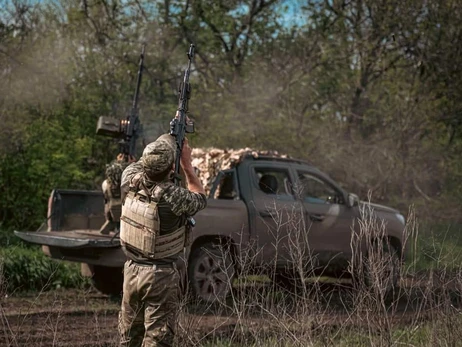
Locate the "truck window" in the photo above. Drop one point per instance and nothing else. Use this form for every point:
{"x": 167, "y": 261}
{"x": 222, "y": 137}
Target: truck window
{"x": 314, "y": 190}
{"x": 226, "y": 187}
{"x": 273, "y": 181}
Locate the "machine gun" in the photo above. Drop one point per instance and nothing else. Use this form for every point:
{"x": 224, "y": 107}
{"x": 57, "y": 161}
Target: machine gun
{"x": 179, "y": 125}
{"x": 128, "y": 129}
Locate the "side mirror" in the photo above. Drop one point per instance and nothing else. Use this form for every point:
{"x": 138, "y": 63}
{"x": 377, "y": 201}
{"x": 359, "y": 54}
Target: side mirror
{"x": 352, "y": 200}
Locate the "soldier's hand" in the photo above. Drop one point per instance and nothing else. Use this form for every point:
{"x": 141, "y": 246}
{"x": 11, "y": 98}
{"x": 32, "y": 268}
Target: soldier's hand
{"x": 186, "y": 157}
{"x": 188, "y": 120}
{"x": 121, "y": 157}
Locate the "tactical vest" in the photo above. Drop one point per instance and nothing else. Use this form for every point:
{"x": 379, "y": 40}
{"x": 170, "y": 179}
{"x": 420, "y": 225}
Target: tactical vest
{"x": 140, "y": 226}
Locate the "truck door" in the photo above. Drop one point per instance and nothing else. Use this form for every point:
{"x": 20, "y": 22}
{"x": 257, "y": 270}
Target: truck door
{"x": 226, "y": 213}
{"x": 328, "y": 219}
{"x": 278, "y": 216}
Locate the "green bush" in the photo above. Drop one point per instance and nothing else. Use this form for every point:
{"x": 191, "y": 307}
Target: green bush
{"x": 28, "y": 269}
{"x": 9, "y": 240}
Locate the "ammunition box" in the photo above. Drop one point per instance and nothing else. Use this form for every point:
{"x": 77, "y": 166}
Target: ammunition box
{"x": 109, "y": 126}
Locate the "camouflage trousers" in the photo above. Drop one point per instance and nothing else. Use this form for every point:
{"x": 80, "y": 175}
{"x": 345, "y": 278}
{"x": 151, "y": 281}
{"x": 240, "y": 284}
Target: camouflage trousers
{"x": 149, "y": 305}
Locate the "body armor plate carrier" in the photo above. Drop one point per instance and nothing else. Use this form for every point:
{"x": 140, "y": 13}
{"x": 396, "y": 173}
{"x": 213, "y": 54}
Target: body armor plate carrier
{"x": 140, "y": 227}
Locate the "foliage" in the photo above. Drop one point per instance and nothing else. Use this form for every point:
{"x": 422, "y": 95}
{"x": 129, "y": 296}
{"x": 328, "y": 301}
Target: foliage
{"x": 25, "y": 269}
{"x": 369, "y": 91}
{"x": 439, "y": 247}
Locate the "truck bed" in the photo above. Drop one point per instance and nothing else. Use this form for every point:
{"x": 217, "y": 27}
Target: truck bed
{"x": 70, "y": 239}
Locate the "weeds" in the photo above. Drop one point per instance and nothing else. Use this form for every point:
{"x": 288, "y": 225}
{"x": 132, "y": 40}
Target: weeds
{"x": 387, "y": 303}
{"x": 28, "y": 269}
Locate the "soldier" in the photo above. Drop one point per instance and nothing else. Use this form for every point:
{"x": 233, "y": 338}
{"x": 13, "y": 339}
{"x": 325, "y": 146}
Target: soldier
{"x": 112, "y": 194}
{"x": 154, "y": 213}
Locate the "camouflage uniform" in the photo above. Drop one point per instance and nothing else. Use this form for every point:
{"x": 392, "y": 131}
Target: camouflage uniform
{"x": 112, "y": 195}
{"x": 151, "y": 287}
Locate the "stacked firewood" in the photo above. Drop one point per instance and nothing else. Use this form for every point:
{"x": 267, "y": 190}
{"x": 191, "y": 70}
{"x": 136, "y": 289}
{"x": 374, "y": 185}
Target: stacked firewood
{"x": 209, "y": 161}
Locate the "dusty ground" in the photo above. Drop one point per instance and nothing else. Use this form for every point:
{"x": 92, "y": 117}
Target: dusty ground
{"x": 58, "y": 318}
{"x": 78, "y": 318}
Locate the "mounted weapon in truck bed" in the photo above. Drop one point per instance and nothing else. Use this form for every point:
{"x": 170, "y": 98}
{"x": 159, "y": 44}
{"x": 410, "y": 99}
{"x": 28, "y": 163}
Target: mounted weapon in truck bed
{"x": 127, "y": 129}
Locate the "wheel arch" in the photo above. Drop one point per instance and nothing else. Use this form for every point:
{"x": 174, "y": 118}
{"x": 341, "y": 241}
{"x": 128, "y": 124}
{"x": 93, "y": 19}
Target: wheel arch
{"x": 217, "y": 239}
{"x": 394, "y": 242}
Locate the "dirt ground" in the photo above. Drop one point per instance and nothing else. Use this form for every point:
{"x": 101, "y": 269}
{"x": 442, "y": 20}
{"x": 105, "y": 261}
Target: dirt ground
{"x": 87, "y": 318}
{"x": 58, "y": 318}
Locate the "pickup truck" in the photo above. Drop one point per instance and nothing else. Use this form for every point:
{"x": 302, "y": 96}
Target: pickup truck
{"x": 265, "y": 214}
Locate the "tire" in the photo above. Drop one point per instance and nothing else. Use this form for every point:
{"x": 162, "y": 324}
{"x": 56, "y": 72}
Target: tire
{"x": 211, "y": 271}
{"x": 287, "y": 281}
{"x": 108, "y": 280}
{"x": 382, "y": 268}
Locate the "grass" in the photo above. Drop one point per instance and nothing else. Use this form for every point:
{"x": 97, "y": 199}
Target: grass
{"x": 425, "y": 335}
{"x": 439, "y": 246}
{"x": 425, "y": 312}
{"x": 29, "y": 269}
{"x": 324, "y": 312}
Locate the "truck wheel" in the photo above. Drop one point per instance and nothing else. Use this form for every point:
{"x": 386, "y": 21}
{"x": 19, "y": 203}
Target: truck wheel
{"x": 211, "y": 272}
{"x": 381, "y": 269}
{"x": 287, "y": 281}
{"x": 108, "y": 280}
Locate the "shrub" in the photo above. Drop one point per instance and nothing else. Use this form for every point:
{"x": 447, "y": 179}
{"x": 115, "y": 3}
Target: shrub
{"x": 28, "y": 269}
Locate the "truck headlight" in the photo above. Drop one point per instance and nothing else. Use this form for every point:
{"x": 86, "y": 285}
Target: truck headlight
{"x": 401, "y": 218}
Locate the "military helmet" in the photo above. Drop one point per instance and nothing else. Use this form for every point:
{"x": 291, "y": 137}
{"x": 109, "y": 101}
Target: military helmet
{"x": 158, "y": 156}
{"x": 114, "y": 172}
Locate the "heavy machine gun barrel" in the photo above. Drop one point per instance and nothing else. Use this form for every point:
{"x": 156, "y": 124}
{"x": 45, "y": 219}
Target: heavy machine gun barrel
{"x": 180, "y": 125}
{"x": 127, "y": 129}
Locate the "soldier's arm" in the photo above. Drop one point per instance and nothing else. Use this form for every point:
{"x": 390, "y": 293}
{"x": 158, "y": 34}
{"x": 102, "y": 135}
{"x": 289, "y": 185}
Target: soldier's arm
{"x": 192, "y": 181}
{"x": 127, "y": 175}
{"x": 104, "y": 188}
{"x": 183, "y": 201}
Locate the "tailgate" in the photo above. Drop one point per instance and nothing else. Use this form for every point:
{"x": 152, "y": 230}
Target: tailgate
{"x": 70, "y": 239}
{"x": 70, "y": 210}
{"x": 74, "y": 220}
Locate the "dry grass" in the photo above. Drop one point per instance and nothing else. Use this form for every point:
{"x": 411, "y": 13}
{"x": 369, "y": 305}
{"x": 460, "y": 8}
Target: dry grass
{"x": 423, "y": 310}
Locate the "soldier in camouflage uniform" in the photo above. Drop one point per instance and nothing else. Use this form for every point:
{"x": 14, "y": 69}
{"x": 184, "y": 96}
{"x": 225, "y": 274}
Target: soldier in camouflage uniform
{"x": 153, "y": 222}
{"x": 112, "y": 194}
